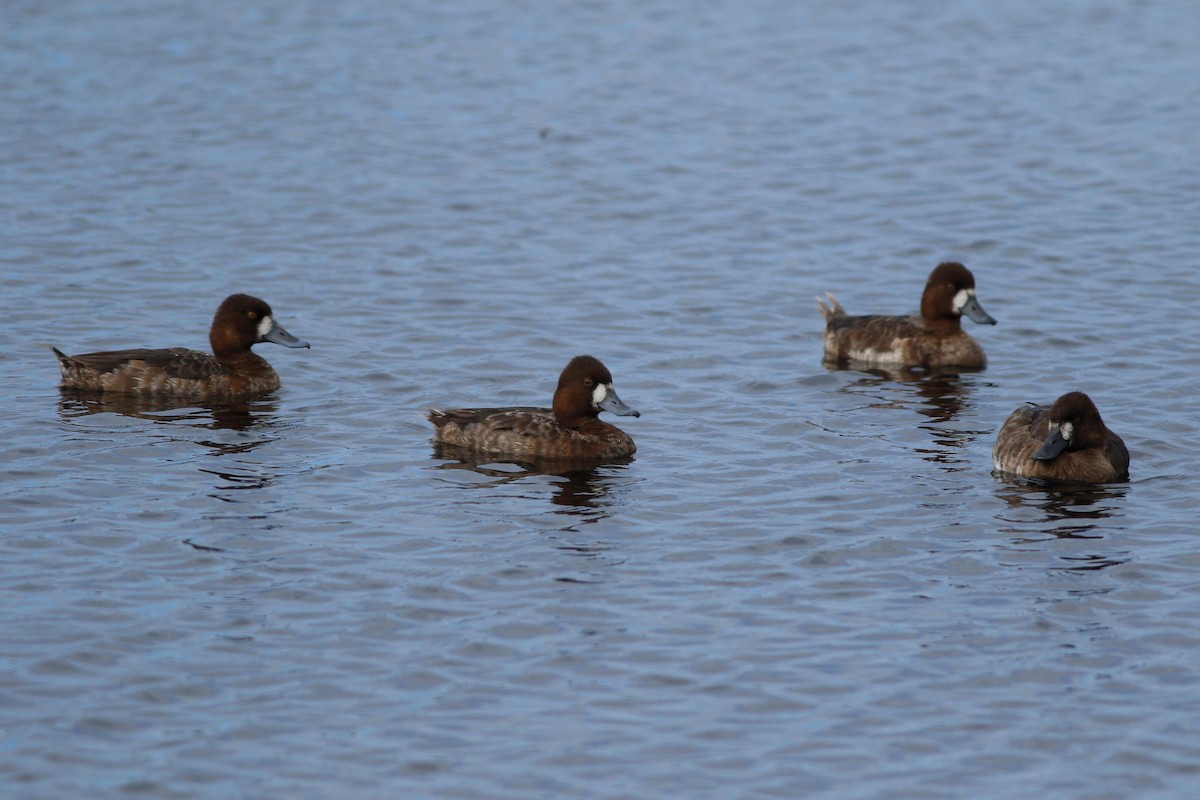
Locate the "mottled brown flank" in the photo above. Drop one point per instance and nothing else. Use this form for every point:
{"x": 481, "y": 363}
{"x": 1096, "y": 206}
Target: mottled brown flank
{"x": 900, "y": 341}
{"x": 1097, "y": 455}
{"x": 526, "y": 432}
{"x": 934, "y": 338}
{"x": 174, "y": 372}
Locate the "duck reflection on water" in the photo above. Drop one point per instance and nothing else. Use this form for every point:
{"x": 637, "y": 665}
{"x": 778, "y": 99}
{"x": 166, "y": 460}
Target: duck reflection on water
{"x": 581, "y": 486}
{"x": 1036, "y": 511}
{"x": 1062, "y": 509}
{"x": 242, "y": 416}
{"x": 230, "y": 430}
{"x": 941, "y": 395}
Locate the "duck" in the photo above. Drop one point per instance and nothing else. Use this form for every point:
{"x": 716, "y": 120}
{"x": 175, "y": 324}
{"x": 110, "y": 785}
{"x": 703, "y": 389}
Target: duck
{"x": 230, "y": 372}
{"x": 570, "y": 429}
{"x": 933, "y": 339}
{"x": 1066, "y": 441}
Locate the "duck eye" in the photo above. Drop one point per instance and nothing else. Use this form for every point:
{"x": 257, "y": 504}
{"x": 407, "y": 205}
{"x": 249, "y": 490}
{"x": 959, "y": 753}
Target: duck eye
{"x": 588, "y": 382}
{"x": 252, "y": 314}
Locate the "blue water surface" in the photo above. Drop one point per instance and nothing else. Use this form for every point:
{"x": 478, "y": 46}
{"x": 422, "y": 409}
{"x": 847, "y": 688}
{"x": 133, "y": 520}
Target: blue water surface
{"x": 808, "y": 583}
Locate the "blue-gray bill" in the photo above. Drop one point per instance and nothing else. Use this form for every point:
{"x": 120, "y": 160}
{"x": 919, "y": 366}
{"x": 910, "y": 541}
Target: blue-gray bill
{"x": 975, "y": 311}
{"x": 1054, "y": 444}
{"x": 614, "y": 404}
{"x": 278, "y": 335}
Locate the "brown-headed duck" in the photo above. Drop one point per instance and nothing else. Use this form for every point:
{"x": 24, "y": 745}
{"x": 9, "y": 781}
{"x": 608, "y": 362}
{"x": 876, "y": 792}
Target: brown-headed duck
{"x": 231, "y": 371}
{"x": 1064, "y": 442}
{"x": 933, "y": 339}
{"x": 572, "y": 429}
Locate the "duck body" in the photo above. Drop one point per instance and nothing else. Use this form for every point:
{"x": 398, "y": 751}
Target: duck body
{"x": 528, "y": 432}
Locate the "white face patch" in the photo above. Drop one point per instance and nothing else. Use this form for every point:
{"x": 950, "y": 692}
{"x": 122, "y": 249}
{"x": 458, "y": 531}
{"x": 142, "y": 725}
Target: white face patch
{"x": 265, "y": 325}
{"x": 599, "y": 393}
{"x": 963, "y": 297}
{"x": 1066, "y": 430}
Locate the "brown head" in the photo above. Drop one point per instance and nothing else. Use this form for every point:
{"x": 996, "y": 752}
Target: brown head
{"x": 950, "y": 293}
{"x": 243, "y": 321}
{"x": 584, "y": 390}
{"x": 1075, "y": 424}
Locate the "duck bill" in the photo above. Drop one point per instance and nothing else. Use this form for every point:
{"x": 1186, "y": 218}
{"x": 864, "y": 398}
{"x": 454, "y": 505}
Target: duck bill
{"x": 278, "y": 335}
{"x": 1054, "y": 444}
{"x": 975, "y": 311}
{"x": 614, "y": 404}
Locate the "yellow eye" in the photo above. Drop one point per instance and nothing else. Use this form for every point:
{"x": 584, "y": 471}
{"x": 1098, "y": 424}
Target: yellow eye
{"x": 252, "y": 314}
{"x": 588, "y": 381}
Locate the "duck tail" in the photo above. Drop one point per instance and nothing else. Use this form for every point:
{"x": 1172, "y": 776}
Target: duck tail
{"x": 65, "y": 362}
{"x": 833, "y": 309}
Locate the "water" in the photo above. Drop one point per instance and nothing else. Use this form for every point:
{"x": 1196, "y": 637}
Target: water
{"x": 807, "y": 582}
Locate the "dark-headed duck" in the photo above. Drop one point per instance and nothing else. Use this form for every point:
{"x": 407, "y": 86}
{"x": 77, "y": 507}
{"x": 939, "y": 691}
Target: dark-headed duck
{"x": 1064, "y": 442}
{"x": 572, "y": 429}
{"x": 232, "y": 371}
{"x": 933, "y": 339}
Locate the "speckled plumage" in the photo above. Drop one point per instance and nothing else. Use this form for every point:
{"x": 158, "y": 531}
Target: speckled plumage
{"x": 572, "y": 429}
{"x": 934, "y": 338}
{"x": 231, "y": 371}
{"x": 173, "y": 372}
{"x": 1031, "y": 443}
